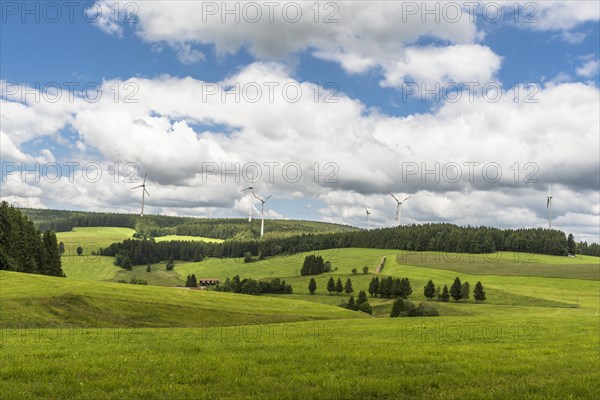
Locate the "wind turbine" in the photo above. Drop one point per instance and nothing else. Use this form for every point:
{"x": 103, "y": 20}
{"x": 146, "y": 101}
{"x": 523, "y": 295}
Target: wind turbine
{"x": 262, "y": 213}
{"x": 368, "y": 213}
{"x": 144, "y": 192}
{"x": 549, "y": 206}
{"x": 250, "y": 194}
{"x": 399, "y": 207}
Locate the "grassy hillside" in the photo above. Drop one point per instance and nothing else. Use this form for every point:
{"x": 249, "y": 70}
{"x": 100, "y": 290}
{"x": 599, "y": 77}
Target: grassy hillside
{"x": 35, "y": 301}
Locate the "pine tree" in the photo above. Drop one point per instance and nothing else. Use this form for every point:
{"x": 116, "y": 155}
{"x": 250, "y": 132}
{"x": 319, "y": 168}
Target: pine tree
{"x": 339, "y": 288}
{"x": 331, "y": 285}
{"x": 149, "y": 268}
{"x": 571, "y": 246}
{"x": 406, "y": 289}
{"x": 372, "y": 289}
{"x": 429, "y": 290}
{"x": 348, "y": 286}
{"x": 479, "y": 293}
{"x": 455, "y": 289}
{"x": 362, "y": 298}
{"x": 61, "y": 248}
{"x": 194, "y": 281}
{"x": 397, "y": 308}
{"x": 351, "y": 304}
{"x": 312, "y": 286}
{"x": 465, "y": 291}
{"x": 445, "y": 296}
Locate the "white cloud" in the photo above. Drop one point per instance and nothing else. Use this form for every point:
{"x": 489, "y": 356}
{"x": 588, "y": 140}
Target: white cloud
{"x": 589, "y": 69}
{"x": 168, "y": 133}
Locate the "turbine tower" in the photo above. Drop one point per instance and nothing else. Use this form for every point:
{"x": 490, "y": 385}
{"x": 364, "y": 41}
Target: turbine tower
{"x": 144, "y": 192}
{"x": 549, "y": 206}
{"x": 250, "y": 194}
{"x": 399, "y": 207}
{"x": 368, "y": 213}
{"x": 262, "y": 213}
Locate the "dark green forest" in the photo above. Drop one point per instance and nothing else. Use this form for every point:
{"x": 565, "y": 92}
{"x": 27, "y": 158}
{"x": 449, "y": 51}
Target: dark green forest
{"x": 23, "y": 248}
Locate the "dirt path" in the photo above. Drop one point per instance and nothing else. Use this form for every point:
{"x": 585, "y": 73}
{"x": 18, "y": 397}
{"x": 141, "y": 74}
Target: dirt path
{"x": 380, "y": 266}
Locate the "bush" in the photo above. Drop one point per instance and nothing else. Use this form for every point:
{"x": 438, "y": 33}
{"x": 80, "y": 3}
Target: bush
{"x": 247, "y": 257}
{"x": 365, "y": 307}
{"x": 354, "y": 271}
{"x": 365, "y": 270}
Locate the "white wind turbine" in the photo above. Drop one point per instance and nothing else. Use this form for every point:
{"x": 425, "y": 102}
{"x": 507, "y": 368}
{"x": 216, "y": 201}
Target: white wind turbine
{"x": 549, "y": 206}
{"x": 144, "y": 192}
{"x": 250, "y": 194}
{"x": 399, "y": 207}
{"x": 262, "y": 213}
{"x": 368, "y": 213}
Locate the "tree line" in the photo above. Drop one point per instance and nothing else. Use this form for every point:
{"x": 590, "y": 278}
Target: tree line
{"x": 252, "y": 286}
{"x": 23, "y": 248}
{"x": 458, "y": 291}
{"x": 430, "y": 237}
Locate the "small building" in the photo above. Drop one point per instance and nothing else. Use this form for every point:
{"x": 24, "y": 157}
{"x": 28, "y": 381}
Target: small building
{"x": 207, "y": 282}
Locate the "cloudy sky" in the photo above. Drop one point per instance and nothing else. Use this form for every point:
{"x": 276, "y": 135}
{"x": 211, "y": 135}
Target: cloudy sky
{"x": 472, "y": 108}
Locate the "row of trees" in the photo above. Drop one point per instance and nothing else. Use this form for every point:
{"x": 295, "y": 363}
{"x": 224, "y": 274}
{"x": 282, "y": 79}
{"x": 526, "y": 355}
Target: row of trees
{"x": 252, "y": 286}
{"x": 390, "y": 287}
{"x": 586, "y": 249}
{"x": 458, "y": 291}
{"x": 191, "y": 281}
{"x": 360, "y": 304}
{"x": 23, "y": 248}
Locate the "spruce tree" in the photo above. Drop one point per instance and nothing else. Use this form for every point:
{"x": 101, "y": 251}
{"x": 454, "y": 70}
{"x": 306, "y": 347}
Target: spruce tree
{"x": 455, "y": 289}
{"x": 312, "y": 286}
{"x": 339, "y": 288}
{"x": 397, "y": 308}
{"x": 429, "y": 290}
{"x": 79, "y": 250}
{"x": 479, "y": 293}
{"x": 194, "y": 281}
{"x": 445, "y": 296}
{"x": 348, "y": 286}
{"x": 372, "y": 289}
{"x": 362, "y": 298}
{"x": 465, "y": 291}
{"x": 351, "y": 304}
{"x": 331, "y": 285}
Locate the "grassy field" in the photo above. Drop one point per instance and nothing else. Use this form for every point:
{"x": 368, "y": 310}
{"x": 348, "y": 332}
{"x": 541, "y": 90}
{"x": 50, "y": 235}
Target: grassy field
{"x": 538, "y": 354}
{"x": 507, "y": 263}
{"x": 92, "y": 239}
{"x": 536, "y": 337}
{"x": 35, "y": 300}
{"x": 187, "y": 238}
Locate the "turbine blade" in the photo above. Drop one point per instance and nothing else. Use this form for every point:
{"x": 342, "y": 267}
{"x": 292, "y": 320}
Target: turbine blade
{"x": 268, "y": 197}
{"x": 148, "y": 194}
{"x": 406, "y": 199}
{"x": 145, "y": 175}
{"x": 393, "y": 196}
{"x": 137, "y": 187}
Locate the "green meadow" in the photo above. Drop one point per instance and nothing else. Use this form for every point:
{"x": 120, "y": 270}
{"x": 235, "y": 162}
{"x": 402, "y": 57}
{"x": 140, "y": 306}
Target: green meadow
{"x": 535, "y": 337}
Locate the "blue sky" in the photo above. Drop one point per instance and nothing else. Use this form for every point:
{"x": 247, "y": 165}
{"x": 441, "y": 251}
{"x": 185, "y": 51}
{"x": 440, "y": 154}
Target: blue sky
{"x": 372, "y": 133}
